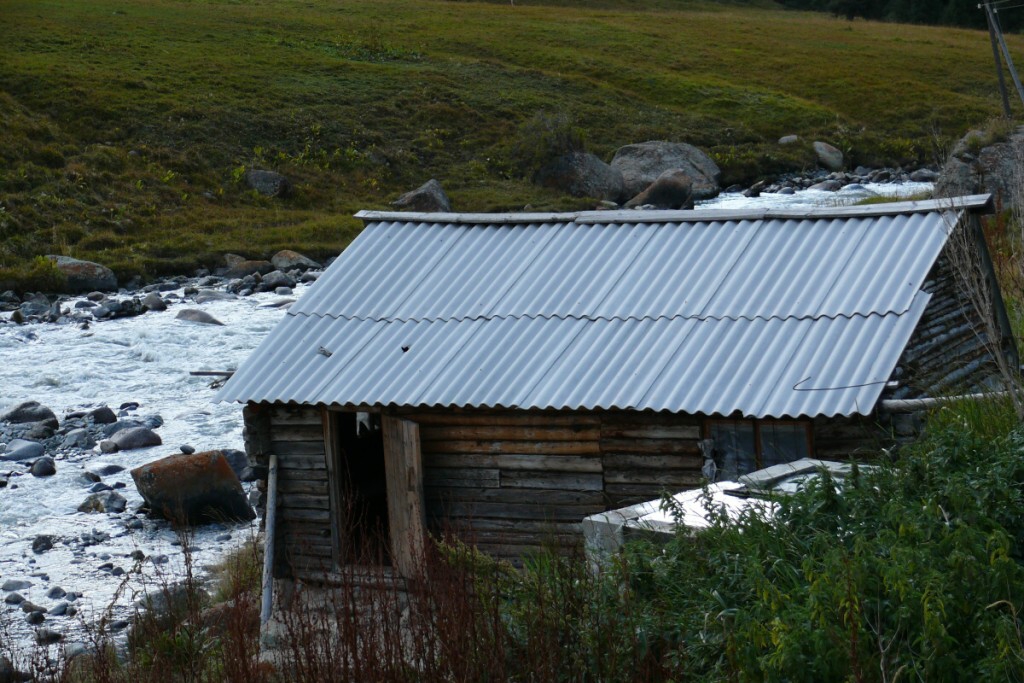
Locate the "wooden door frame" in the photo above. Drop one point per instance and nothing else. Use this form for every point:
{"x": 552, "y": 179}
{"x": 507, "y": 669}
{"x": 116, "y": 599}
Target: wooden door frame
{"x": 403, "y": 466}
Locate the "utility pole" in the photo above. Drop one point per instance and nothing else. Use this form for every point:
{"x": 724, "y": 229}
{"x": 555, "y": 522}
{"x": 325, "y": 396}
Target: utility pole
{"x": 999, "y": 64}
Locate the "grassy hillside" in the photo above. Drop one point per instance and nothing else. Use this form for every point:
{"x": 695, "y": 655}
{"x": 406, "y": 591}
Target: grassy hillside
{"x": 125, "y": 127}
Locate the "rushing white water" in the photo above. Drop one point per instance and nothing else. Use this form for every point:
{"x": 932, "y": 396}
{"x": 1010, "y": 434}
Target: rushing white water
{"x": 850, "y": 194}
{"x": 147, "y": 359}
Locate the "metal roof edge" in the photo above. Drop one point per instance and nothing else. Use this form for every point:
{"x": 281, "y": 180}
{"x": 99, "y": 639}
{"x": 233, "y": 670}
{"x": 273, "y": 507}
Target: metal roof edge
{"x": 981, "y": 203}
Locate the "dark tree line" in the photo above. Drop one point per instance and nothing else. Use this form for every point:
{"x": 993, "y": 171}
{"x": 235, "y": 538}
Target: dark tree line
{"x": 947, "y": 12}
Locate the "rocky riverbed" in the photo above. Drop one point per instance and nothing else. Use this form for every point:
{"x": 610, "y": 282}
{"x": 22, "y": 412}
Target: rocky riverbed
{"x": 94, "y": 386}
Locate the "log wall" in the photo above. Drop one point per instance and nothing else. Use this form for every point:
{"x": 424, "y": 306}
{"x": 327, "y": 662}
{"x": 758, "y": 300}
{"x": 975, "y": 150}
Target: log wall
{"x": 510, "y": 482}
{"x": 296, "y": 434}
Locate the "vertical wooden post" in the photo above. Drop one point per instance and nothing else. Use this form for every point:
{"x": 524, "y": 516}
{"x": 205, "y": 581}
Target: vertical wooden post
{"x": 404, "y": 471}
{"x": 270, "y": 522}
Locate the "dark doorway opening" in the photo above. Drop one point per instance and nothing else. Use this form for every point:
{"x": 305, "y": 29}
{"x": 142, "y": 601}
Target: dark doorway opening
{"x": 363, "y": 518}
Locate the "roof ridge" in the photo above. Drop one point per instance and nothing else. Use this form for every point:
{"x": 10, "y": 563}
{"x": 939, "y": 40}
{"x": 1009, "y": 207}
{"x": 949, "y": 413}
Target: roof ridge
{"x": 610, "y": 318}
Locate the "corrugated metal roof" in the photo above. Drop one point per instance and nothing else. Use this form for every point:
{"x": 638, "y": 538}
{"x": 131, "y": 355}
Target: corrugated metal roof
{"x": 683, "y": 313}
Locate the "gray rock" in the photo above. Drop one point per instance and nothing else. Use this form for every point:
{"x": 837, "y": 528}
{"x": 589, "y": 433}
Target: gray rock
{"x": 924, "y": 175}
{"x": 108, "y": 446}
{"x": 27, "y": 606}
{"x": 789, "y": 139}
{"x": 45, "y": 636}
{"x": 268, "y": 183}
{"x": 35, "y": 618}
{"x": 236, "y": 459}
{"x": 245, "y": 268}
{"x": 673, "y": 189}
{"x": 78, "y": 438}
{"x": 99, "y": 487}
{"x": 275, "y": 279}
{"x": 14, "y": 599}
{"x": 283, "y": 291}
{"x": 207, "y": 295}
{"x": 22, "y": 449}
{"x": 137, "y": 437}
{"x": 582, "y": 174}
{"x": 84, "y": 276}
{"x": 107, "y": 501}
{"x": 44, "y": 467}
{"x": 15, "y": 585}
{"x": 60, "y": 609}
{"x": 29, "y": 411}
{"x": 826, "y": 186}
{"x": 56, "y": 593}
{"x": 186, "y": 449}
{"x": 995, "y": 168}
{"x": 153, "y": 302}
{"x": 120, "y": 425}
{"x": 197, "y": 316}
{"x": 427, "y": 198}
{"x": 38, "y": 431}
{"x": 642, "y": 163}
{"x": 828, "y": 156}
{"x": 105, "y": 470}
{"x": 286, "y": 260}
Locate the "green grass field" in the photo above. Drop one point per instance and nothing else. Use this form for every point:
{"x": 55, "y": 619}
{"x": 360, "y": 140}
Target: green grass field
{"x": 126, "y": 126}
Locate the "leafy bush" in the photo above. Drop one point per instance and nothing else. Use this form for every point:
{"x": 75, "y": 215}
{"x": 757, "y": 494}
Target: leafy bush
{"x": 912, "y": 571}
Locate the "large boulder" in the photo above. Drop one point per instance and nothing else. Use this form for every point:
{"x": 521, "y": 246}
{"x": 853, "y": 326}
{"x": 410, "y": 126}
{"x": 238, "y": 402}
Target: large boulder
{"x": 642, "y": 163}
{"x": 428, "y": 198}
{"x": 672, "y": 190}
{"x": 22, "y": 449}
{"x": 135, "y": 437}
{"x": 248, "y": 267}
{"x": 29, "y": 411}
{"x": 191, "y": 489}
{"x": 828, "y": 156}
{"x": 582, "y": 174}
{"x": 194, "y": 315}
{"x": 286, "y": 260}
{"x": 268, "y": 183}
{"x": 978, "y": 166}
{"x": 84, "y": 276}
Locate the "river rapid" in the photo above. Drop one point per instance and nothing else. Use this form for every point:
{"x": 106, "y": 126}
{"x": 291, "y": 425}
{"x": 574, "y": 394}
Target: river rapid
{"x": 147, "y": 360}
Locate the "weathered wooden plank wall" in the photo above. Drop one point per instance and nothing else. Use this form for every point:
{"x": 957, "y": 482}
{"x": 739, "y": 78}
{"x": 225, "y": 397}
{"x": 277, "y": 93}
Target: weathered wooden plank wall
{"x": 511, "y": 482}
{"x": 304, "y": 510}
{"x": 949, "y": 351}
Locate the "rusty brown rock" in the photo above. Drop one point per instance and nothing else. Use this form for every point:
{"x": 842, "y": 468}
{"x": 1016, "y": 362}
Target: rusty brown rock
{"x": 193, "y": 489}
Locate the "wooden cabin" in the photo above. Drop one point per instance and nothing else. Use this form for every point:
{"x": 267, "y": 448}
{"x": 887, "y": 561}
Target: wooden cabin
{"x": 501, "y": 377}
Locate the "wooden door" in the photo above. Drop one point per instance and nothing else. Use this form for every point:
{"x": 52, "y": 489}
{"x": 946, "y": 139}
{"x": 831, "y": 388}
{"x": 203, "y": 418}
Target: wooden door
{"x": 404, "y": 471}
